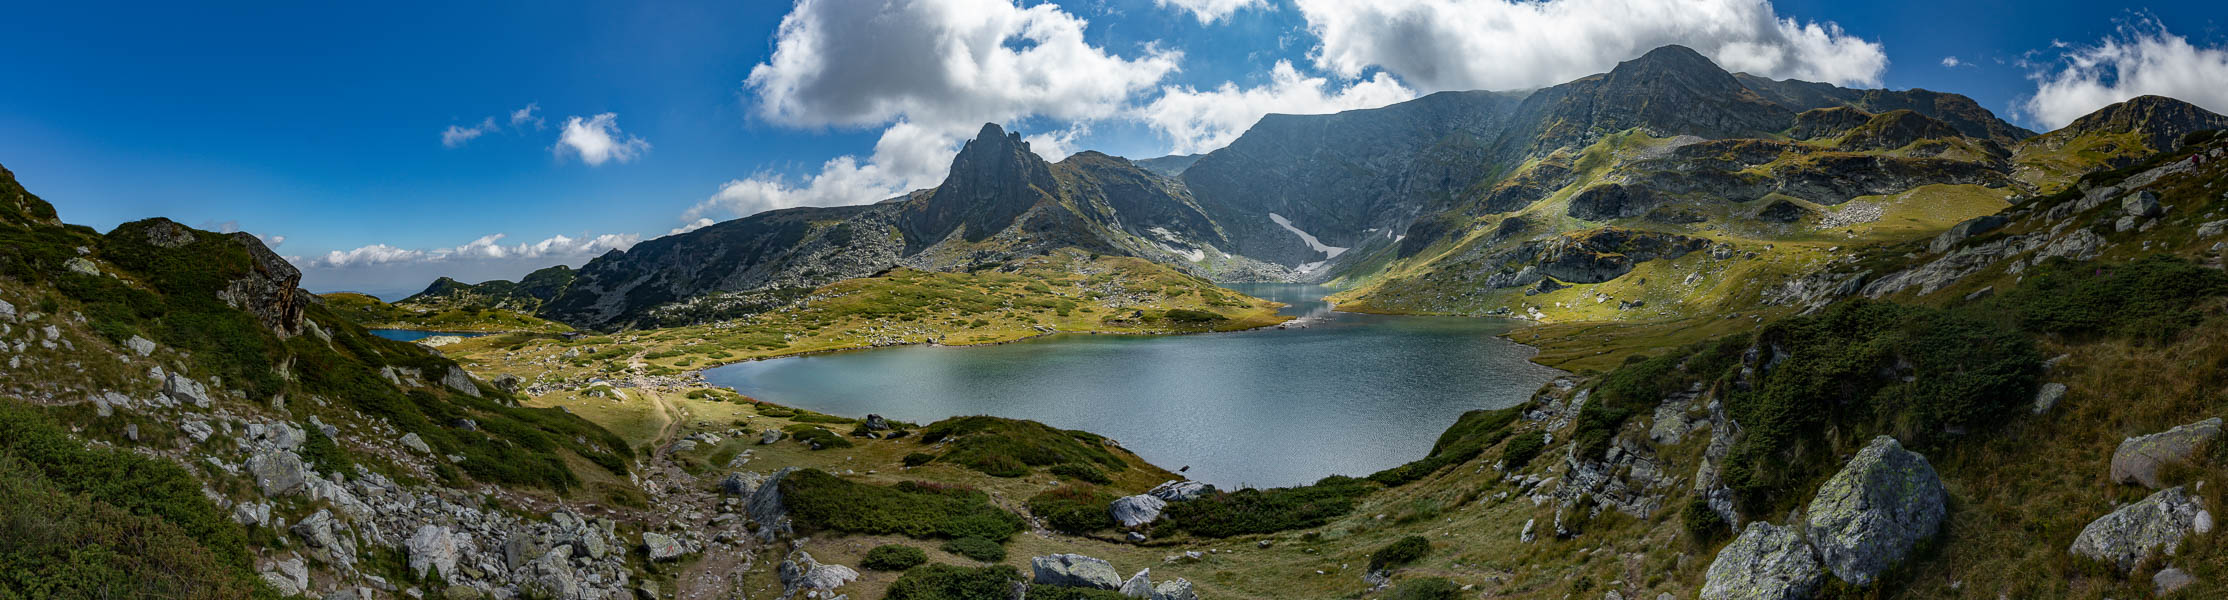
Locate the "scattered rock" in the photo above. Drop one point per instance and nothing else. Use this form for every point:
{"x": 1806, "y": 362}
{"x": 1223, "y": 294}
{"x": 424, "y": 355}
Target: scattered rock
{"x": 1178, "y": 589}
{"x": 769, "y": 437}
{"x": 2141, "y": 205}
{"x": 1139, "y": 585}
{"x": 877, "y": 423}
{"x": 2170, "y": 580}
{"x": 1132, "y": 511}
{"x": 140, "y": 345}
{"x": 2130, "y": 534}
{"x": 288, "y": 577}
{"x": 2049, "y": 396}
{"x": 461, "y": 381}
{"x": 801, "y": 572}
{"x": 1179, "y": 490}
{"x": 1968, "y": 228}
{"x": 1075, "y": 570}
{"x": 277, "y": 472}
{"x": 433, "y": 550}
{"x": 662, "y": 547}
{"x": 740, "y": 484}
{"x": 2138, "y": 458}
{"x": 1765, "y": 563}
{"x": 1866, "y": 517}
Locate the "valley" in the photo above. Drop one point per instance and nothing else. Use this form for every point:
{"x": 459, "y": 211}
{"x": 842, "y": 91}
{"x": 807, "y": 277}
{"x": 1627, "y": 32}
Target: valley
{"x": 1778, "y": 340}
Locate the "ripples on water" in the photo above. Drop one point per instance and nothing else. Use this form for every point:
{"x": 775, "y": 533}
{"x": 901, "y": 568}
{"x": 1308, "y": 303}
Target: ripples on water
{"x": 1334, "y": 393}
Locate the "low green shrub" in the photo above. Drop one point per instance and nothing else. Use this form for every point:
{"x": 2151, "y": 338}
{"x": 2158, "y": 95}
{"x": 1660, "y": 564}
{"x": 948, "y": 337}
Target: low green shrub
{"x": 1427, "y": 588}
{"x": 947, "y": 582}
{"x": 893, "y": 557}
{"x": 2151, "y": 299}
{"x": 1521, "y": 450}
{"x": 1400, "y": 552}
{"x": 976, "y": 548}
{"x": 1703, "y": 525}
{"x": 913, "y": 509}
{"x": 816, "y": 437}
{"x": 1009, "y": 448}
{"x": 1250, "y": 511}
{"x": 918, "y": 458}
{"x": 1073, "y": 509}
{"x": 1082, "y": 473}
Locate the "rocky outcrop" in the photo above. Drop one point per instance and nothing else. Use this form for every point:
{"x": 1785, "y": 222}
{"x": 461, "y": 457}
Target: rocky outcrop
{"x": 433, "y": 550}
{"x": 1766, "y": 562}
{"x": 2137, "y": 531}
{"x": 268, "y": 291}
{"x": 1869, "y": 515}
{"x": 1176, "y": 589}
{"x": 766, "y": 509}
{"x": 1074, "y": 570}
{"x": 2139, "y": 458}
{"x": 1139, "y": 585}
{"x": 461, "y": 381}
{"x": 1132, "y": 511}
{"x": 1965, "y": 229}
{"x": 1179, "y": 490}
{"x": 800, "y": 573}
{"x": 1614, "y": 201}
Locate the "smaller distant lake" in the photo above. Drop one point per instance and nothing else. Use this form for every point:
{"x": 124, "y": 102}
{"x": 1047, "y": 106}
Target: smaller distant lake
{"x": 412, "y": 335}
{"x": 1334, "y": 393}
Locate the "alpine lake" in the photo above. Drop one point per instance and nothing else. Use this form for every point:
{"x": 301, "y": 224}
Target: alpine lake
{"x": 1329, "y": 393}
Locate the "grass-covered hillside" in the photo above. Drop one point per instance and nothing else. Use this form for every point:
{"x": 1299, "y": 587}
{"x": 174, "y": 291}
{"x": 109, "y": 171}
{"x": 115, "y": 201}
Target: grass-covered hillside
{"x": 162, "y": 381}
{"x": 372, "y": 313}
{"x": 1065, "y": 291}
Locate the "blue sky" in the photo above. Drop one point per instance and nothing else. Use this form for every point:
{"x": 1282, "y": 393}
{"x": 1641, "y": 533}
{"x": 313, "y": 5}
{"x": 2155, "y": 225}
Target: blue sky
{"x": 322, "y": 124}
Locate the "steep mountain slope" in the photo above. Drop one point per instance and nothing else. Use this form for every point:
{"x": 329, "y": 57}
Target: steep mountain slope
{"x": 526, "y": 295}
{"x": 1001, "y": 203}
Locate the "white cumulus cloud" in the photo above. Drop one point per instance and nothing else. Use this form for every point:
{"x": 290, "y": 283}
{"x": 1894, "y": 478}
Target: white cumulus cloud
{"x": 456, "y": 136}
{"x": 1201, "y": 121}
{"x": 699, "y": 223}
{"x": 485, "y": 247}
{"x": 1209, "y": 11}
{"x": 1951, "y": 61}
{"x": 2141, "y": 58}
{"x": 597, "y": 140}
{"x": 522, "y": 117}
{"x": 1435, "y": 45}
{"x": 930, "y": 72}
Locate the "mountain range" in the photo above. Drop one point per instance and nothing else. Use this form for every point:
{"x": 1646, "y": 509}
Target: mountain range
{"x": 1455, "y": 202}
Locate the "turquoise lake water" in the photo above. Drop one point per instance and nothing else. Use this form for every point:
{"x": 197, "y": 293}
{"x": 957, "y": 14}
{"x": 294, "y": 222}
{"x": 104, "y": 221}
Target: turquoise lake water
{"x": 412, "y": 335}
{"x": 1334, "y": 393}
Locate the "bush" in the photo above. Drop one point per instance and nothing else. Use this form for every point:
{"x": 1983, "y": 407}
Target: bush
{"x": 1073, "y": 509}
{"x": 87, "y": 522}
{"x": 1702, "y": 524}
{"x": 1862, "y": 368}
{"x": 918, "y": 458}
{"x": 2151, "y": 299}
{"x": 817, "y": 438}
{"x": 1248, "y": 511}
{"x": 1082, "y": 473}
{"x": 893, "y": 557}
{"x": 947, "y": 582}
{"x": 1058, "y": 592}
{"x": 981, "y": 549}
{"x": 1520, "y": 451}
{"x": 321, "y": 453}
{"x": 1008, "y": 448}
{"x": 1186, "y": 315}
{"x": 913, "y": 509}
{"x": 1401, "y": 552}
{"x": 1428, "y": 588}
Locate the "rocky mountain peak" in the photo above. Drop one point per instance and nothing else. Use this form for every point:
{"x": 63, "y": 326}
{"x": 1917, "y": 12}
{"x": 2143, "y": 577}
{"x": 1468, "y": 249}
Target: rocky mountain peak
{"x": 19, "y": 207}
{"x": 1674, "y": 60}
{"x": 2159, "y": 120}
{"x": 994, "y": 179}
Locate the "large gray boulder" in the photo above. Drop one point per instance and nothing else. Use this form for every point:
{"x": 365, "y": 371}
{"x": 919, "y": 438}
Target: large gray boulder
{"x": 1075, "y": 570}
{"x": 662, "y": 547}
{"x": 277, "y": 472}
{"x": 739, "y": 483}
{"x": 1866, "y": 517}
{"x": 1178, "y": 589}
{"x": 433, "y": 549}
{"x": 766, "y": 508}
{"x": 1179, "y": 490}
{"x": 461, "y": 381}
{"x": 1766, "y": 562}
{"x": 801, "y": 573}
{"x": 2134, "y": 532}
{"x": 1132, "y": 511}
{"x": 2139, "y": 458}
{"x": 1139, "y": 585}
